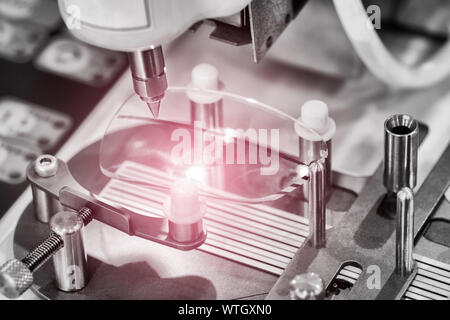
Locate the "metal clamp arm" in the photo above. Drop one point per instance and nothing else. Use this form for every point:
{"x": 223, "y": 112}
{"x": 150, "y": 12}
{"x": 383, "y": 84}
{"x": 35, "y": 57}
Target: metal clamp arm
{"x": 71, "y": 194}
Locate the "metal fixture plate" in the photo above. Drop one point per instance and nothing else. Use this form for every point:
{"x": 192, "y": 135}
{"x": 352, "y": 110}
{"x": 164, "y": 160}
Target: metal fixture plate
{"x": 236, "y": 262}
{"x": 123, "y": 267}
{"x": 363, "y": 236}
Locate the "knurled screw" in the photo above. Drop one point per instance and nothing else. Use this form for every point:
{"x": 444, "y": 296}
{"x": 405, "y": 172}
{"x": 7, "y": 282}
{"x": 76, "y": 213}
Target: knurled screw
{"x": 16, "y": 276}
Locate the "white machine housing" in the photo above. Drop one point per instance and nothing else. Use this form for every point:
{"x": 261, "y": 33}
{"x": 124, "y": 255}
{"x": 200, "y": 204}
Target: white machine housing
{"x": 139, "y": 24}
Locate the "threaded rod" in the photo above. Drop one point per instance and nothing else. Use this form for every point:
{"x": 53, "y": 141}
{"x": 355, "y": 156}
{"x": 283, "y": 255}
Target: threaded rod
{"x": 43, "y": 252}
{"x": 85, "y": 215}
{"x": 52, "y": 244}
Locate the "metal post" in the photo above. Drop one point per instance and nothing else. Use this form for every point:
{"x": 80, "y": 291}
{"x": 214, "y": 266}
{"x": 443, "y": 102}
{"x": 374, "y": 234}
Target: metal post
{"x": 401, "y": 142}
{"x": 45, "y": 206}
{"x": 405, "y": 232}
{"x": 70, "y": 262}
{"x": 185, "y": 212}
{"x": 316, "y": 205}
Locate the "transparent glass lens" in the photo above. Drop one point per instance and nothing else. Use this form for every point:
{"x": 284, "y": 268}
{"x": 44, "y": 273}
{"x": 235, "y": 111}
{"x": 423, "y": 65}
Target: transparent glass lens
{"x": 234, "y": 148}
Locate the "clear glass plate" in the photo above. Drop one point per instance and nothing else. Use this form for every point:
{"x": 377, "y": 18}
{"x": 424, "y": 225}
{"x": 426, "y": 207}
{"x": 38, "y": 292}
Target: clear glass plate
{"x": 234, "y": 148}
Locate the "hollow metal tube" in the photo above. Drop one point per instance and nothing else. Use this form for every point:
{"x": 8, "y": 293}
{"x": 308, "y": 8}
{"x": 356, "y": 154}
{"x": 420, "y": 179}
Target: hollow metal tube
{"x": 404, "y": 232}
{"x": 401, "y": 142}
{"x": 316, "y": 205}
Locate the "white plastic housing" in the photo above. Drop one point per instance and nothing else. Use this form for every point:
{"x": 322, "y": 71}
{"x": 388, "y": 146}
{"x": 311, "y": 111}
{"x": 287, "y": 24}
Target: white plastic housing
{"x": 139, "y": 24}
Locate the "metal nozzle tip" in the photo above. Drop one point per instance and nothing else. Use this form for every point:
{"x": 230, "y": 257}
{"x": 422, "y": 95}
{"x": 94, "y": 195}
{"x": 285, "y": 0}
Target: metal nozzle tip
{"x": 154, "y": 108}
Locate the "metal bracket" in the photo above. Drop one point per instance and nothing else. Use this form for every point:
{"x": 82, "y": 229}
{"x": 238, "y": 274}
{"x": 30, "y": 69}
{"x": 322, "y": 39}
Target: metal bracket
{"x": 71, "y": 194}
{"x": 260, "y": 24}
{"x": 268, "y": 19}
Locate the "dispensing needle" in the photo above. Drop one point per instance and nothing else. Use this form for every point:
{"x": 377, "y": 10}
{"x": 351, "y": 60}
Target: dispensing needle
{"x": 149, "y": 77}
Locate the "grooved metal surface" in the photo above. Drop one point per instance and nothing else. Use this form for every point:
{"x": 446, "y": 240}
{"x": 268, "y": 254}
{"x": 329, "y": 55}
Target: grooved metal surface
{"x": 432, "y": 281}
{"x": 349, "y": 273}
{"x": 255, "y": 235}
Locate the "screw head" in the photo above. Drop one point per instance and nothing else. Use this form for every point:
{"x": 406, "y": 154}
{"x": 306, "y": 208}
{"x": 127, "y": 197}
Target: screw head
{"x": 66, "y": 222}
{"x": 15, "y": 278}
{"x": 307, "y": 286}
{"x": 46, "y": 166}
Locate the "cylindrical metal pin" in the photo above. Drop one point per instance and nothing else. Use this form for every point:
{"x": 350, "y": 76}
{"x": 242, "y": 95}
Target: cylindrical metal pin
{"x": 45, "y": 205}
{"x": 318, "y": 136}
{"x": 316, "y": 205}
{"x": 207, "y": 111}
{"x": 311, "y": 150}
{"x": 185, "y": 212}
{"x": 208, "y": 116}
{"x": 405, "y": 232}
{"x": 186, "y": 233}
{"x": 70, "y": 262}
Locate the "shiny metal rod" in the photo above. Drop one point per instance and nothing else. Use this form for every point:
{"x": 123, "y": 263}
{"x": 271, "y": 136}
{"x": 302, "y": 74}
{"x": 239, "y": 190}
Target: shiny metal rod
{"x": 45, "y": 206}
{"x": 405, "y": 232}
{"x": 207, "y": 111}
{"x": 316, "y": 205}
{"x": 401, "y": 142}
{"x": 210, "y": 115}
{"x": 312, "y": 150}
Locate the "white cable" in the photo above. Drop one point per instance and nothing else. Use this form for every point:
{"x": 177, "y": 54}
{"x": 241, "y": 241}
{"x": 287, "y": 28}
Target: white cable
{"x": 379, "y": 60}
